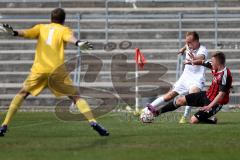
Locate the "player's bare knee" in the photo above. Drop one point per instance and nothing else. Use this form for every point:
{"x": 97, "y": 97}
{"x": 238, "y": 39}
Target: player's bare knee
{"x": 194, "y": 120}
{"x": 194, "y": 89}
{"x": 170, "y": 95}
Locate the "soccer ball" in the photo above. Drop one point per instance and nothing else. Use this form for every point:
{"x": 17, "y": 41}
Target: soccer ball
{"x": 146, "y": 116}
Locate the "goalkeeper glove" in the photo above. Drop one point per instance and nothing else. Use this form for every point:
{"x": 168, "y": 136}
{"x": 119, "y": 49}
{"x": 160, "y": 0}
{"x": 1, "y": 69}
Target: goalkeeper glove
{"x": 84, "y": 45}
{"x": 9, "y": 30}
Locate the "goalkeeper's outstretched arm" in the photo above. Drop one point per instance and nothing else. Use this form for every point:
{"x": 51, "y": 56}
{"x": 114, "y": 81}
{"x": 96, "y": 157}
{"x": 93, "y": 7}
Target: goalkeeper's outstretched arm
{"x": 34, "y": 33}
{"x": 82, "y": 44}
{"x": 10, "y": 31}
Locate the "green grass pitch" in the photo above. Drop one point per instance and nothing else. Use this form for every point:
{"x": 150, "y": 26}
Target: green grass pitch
{"x": 41, "y": 136}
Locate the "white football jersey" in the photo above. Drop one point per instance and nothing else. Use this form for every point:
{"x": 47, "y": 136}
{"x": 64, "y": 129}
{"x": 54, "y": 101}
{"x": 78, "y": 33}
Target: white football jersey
{"x": 195, "y": 72}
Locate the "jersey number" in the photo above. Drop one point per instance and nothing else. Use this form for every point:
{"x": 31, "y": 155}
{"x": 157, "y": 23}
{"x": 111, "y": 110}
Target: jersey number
{"x": 50, "y": 37}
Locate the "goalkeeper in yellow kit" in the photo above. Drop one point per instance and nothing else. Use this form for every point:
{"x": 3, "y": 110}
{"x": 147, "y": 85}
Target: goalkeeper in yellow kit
{"x": 51, "y": 39}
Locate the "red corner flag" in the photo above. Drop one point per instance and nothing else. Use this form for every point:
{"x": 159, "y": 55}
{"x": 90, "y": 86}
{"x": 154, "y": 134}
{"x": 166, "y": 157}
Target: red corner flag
{"x": 139, "y": 58}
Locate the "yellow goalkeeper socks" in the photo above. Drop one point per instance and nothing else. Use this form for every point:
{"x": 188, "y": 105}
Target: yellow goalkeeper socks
{"x": 85, "y": 110}
{"x": 15, "y": 104}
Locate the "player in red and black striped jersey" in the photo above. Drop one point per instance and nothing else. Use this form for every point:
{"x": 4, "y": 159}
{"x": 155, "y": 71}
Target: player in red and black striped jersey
{"x": 222, "y": 81}
{"x": 210, "y": 101}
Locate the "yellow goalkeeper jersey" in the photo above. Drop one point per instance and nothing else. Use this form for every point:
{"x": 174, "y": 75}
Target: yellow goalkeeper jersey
{"x": 50, "y": 45}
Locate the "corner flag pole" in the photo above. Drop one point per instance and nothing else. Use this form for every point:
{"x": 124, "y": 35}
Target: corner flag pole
{"x": 140, "y": 61}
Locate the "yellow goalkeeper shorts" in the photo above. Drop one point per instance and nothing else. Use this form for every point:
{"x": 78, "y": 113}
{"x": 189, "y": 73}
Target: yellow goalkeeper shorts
{"x": 58, "y": 84}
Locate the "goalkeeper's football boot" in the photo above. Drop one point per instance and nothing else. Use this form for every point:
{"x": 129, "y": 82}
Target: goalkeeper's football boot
{"x": 3, "y": 130}
{"x": 101, "y": 131}
{"x": 154, "y": 111}
{"x": 183, "y": 120}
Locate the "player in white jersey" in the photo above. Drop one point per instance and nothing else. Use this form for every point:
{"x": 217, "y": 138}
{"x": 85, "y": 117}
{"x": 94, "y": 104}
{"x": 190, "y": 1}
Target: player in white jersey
{"x": 192, "y": 79}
